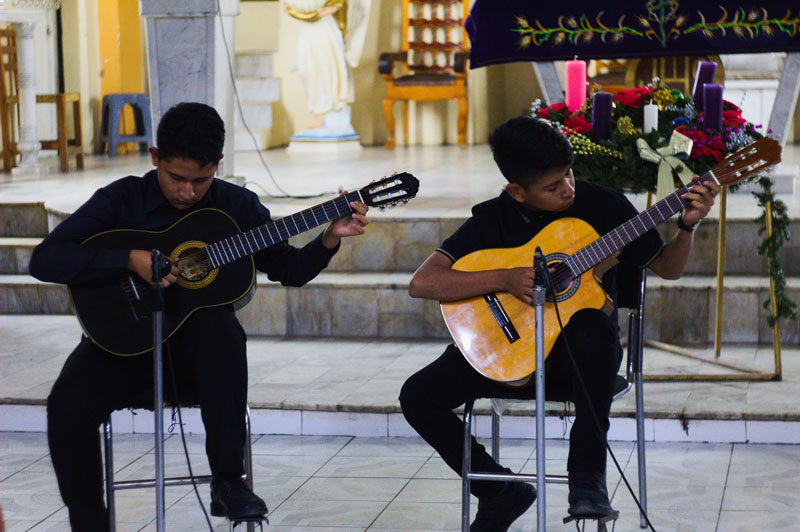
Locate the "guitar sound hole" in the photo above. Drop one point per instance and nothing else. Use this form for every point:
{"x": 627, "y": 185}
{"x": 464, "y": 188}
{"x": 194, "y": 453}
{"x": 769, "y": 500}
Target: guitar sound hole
{"x": 564, "y": 284}
{"x": 194, "y": 263}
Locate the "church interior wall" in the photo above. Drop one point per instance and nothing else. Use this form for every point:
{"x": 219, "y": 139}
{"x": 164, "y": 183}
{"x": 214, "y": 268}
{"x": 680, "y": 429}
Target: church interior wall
{"x": 495, "y": 93}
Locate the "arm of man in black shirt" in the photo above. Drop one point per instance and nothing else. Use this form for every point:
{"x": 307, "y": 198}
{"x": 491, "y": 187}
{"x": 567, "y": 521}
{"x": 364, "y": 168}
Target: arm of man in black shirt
{"x": 437, "y": 280}
{"x": 672, "y": 260}
{"x": 293, "y": 266}
{"x": 60, "y": 258}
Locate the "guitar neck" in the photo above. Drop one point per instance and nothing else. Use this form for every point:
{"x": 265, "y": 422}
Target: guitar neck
{"x": 254, "y": 240}
{"x": 607, "y": 245}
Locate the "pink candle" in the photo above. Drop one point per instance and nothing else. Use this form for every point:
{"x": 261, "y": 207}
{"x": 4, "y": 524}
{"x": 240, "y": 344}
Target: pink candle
{"x": 575, "y": 84}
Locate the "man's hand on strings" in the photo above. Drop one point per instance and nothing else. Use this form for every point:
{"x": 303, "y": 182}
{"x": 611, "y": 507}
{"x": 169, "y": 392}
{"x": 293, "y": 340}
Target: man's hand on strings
{"x": 140, "y": 262}
{"x": 701, "y": 199}
{"x": 348, "y": 225}
{"x": 519, "y": 282}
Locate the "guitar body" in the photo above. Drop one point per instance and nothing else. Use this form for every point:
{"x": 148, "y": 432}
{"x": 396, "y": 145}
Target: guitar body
{"x": 117, "y": 316}
{"x": 476, "y": 328}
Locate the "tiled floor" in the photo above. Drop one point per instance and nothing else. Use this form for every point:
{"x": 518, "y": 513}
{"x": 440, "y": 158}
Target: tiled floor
{"x": 345, "y": 484}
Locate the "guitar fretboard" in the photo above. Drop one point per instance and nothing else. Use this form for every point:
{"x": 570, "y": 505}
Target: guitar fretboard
{"x": 254, "y": 240}
{"x": 589, "y": 256}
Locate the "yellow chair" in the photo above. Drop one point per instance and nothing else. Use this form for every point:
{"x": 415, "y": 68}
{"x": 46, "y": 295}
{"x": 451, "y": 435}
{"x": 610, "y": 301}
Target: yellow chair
{"x": 432, "y": 63}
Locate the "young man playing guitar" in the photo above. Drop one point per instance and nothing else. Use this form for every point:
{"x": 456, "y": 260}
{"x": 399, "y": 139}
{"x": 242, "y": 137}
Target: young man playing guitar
{"x": 208, "y": 351}
{"x": 536, "y": 160}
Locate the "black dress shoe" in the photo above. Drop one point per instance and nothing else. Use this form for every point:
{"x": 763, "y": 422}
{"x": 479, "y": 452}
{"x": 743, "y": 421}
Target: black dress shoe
{"x": 588, "y": 495}
{"x": 232, "y": 498}
{"x": 495, "y": 514}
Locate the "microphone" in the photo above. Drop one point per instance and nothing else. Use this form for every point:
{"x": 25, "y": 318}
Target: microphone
{"x": 541, "y": 273}
{"x": 161, "y": 265}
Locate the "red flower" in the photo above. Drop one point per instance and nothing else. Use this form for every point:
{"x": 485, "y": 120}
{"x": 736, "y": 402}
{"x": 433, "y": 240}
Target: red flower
{"x": 578, "y": 123}
{"x": 732, "y": 119}
{"x": 559, "y": 107}
{"x": 634, "y": 98}
{"x": 703, "y": 144}
{"x": 728, "y": 106}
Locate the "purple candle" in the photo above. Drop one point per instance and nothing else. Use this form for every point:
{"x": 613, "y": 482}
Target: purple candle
{"x": 712, "y": 106}
{"x": 601, "y": 115}
{"x": 704, "y": 74}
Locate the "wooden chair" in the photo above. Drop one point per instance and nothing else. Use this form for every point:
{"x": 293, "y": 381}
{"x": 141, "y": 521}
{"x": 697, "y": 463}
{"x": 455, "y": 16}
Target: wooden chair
{"x": 9, "y": 97}
{"x": 432, "y": 63}
{"x": 676, "y": 72}
{"x": 9, "y": 111}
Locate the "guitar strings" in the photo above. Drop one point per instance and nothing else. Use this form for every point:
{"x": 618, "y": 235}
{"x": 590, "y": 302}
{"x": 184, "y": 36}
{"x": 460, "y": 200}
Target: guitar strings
{"x": 341, "y": 203}
{"x": 562, "y": 274}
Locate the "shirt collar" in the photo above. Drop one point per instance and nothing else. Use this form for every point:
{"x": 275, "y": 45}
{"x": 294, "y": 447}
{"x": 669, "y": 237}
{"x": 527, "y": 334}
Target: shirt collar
{"x": 153, "y": 198}
{"x": 528, "y": 215}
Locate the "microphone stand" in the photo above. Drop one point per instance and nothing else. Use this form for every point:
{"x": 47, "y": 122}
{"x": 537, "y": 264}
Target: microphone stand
{"x": 541, "y": 284}
{"x": 158, "y": 384}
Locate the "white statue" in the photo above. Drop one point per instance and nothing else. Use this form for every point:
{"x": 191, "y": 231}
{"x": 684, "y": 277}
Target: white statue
{"x": 325, "y": 58}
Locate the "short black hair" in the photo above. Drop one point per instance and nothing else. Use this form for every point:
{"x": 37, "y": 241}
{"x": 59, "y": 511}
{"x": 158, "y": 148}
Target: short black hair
{"x": 191, "y": 130}
{"x": 525, "y": 148}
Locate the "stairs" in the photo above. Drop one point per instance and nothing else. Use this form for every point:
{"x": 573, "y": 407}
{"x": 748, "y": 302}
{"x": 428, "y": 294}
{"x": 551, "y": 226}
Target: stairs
{"x": 258, "y": 90}
{"x": 369, "y": 278}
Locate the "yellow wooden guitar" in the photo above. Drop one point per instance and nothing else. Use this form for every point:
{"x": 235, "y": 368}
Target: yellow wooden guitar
{"x": 495, "y": 332}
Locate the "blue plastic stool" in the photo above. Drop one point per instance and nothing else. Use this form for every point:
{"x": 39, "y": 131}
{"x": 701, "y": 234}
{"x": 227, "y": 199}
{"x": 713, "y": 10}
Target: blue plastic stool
{"x": 109, "y": 127}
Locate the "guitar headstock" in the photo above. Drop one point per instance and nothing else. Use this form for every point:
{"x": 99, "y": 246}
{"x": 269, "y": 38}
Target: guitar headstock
{"x": 747, "y": 161}
{"x": 390, "y": 191}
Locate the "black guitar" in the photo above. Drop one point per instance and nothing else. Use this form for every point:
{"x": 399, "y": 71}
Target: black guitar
{"x": 215, "y": 259}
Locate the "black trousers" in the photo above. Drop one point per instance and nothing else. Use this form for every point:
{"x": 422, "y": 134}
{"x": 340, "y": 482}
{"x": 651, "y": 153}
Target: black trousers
{"x": 429, "y": 396}
{"x": 209, "y": 358}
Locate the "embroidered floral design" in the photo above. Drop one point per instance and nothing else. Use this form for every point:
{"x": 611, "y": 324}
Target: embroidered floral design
{"x": 661, "y": 22}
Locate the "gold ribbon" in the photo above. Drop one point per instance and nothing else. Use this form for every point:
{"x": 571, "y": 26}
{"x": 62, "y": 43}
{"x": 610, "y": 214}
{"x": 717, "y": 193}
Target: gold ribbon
{"x": 668, "y": 163}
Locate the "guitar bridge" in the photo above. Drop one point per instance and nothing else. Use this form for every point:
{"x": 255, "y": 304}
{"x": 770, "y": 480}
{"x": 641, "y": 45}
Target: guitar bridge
{"x": 502, "y": 318}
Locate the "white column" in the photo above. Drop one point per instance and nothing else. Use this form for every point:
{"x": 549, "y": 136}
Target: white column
{"x": 223, "y": 86}
{"x": 28, "y": 144}
{"x": 187, "y": 59}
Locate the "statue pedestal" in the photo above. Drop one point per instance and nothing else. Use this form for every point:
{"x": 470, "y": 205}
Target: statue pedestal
{"x": 186, "y": 57}
{"x": 324, "y": 146}
{"x": 335, "y": 135}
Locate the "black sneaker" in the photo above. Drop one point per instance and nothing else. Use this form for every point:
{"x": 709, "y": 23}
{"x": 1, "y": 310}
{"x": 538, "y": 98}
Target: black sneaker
{"x": 588, "y": 495}
{"x": 495, "y": 514}
{"x": 232, "y": 498}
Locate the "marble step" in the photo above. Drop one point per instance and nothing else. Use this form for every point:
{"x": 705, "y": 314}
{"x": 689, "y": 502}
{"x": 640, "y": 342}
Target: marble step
{"x": 377, "y": 305}
{"x": 300, "y": 386}
{"x": 23, "y": 220}
{"x": 258, "y": 89}
{"x": 256, "y": 64}
{"x": 242, "y": 141}
{"x": 257, "y": 115}
{"x": 15, "y": 254}
{"x": 402, "y": 244}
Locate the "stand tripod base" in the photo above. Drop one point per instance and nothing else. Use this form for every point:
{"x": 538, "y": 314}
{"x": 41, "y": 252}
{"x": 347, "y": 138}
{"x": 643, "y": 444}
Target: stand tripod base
{"x": 249, "y": 522}
{"x": 602, "y": 520}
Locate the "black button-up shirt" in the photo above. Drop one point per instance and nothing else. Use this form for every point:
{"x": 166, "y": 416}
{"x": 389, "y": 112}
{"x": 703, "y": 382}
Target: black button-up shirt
{"x": 135, "y": 202}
